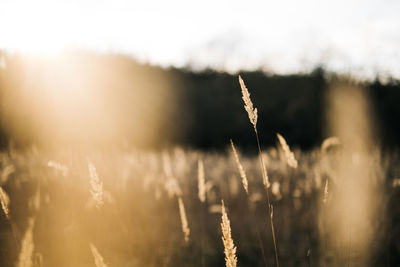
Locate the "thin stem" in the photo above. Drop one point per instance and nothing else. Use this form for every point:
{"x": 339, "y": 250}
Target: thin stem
{"x": 263, "y": 170}
{"x": 261, "y": 247}
{"x": 349, "y": 250}
{"x": 254, "y": 222}
{"x": 260, "y": 242}
{"x": 308, "y": 260}
{"x": 265, "y": 179}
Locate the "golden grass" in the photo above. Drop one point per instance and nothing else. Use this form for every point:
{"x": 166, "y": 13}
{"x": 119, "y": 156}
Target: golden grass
{"x": 329, "y": 142}
{"x": 5, "y": 202}
{"x": 146, "y": 224}
{"x": 348, "y": 190}
{"x": 6, "y": 172}
{"x": 229, "y": 246}
{"x": 201, "y": 181}
{"x": 184, "y": 221}
{"x": 325, "y": 198}
{"x": 242, "y": 173}
{"x": 98, "y": 259}
{"x": 58, "y": 167}
{"x": 27, "y": 246}
{"x": 96, "y": 186}
{"x": 248, "y": 104}
{"x": 252, "y": 112}
{"x": 289, "y": 155}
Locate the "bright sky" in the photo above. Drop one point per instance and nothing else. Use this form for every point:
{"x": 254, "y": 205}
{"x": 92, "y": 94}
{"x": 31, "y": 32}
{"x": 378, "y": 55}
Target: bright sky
{"x": 284, "y": 36}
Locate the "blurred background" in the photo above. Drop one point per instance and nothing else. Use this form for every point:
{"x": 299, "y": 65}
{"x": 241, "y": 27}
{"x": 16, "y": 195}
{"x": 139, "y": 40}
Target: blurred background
{"x": 158, "y": 74}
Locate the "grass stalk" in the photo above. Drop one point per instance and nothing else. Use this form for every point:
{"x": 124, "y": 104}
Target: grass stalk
{"x": 253, "y": 116}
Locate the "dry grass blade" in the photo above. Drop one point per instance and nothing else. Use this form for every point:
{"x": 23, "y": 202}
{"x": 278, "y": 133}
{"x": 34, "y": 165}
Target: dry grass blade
{"x": 252, "y": 112}
{"x": 5, "y": 202}
{"x": 201, "y": 181}
{"x": 325, "y": 198}
{"x": 98, "y": 259}
{"x": 184, "y": 221}
{"x": 240, "y": 168}
{"x": 289, "y": 155}
{"x": 266, "y": 182}
{"x": 328, "y": 142}
{"x": 6, "y": 172}
{"x": 229, "y": 246}
{"x": 96, "y": 186}
{"x": 171, "y": 185}
{"x": 34, "y": 201}
{"x": 248, "y": 104}
{"x": 253, "y": 119}
{"x": 58, "y": 167}
{"x": 27, "y": 248}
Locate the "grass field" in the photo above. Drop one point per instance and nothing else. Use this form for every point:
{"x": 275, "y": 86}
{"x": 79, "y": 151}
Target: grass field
{"x": 139, "y": 222}
{"x": 334, "y": 205}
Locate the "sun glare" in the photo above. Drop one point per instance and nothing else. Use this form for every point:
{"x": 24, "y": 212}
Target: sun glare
{"x": 283, "y": 36}
{"x": 41, "y": 27}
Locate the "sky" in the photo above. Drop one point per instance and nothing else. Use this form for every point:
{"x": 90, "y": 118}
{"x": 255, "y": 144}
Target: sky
{"x": 286, "y": 36}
